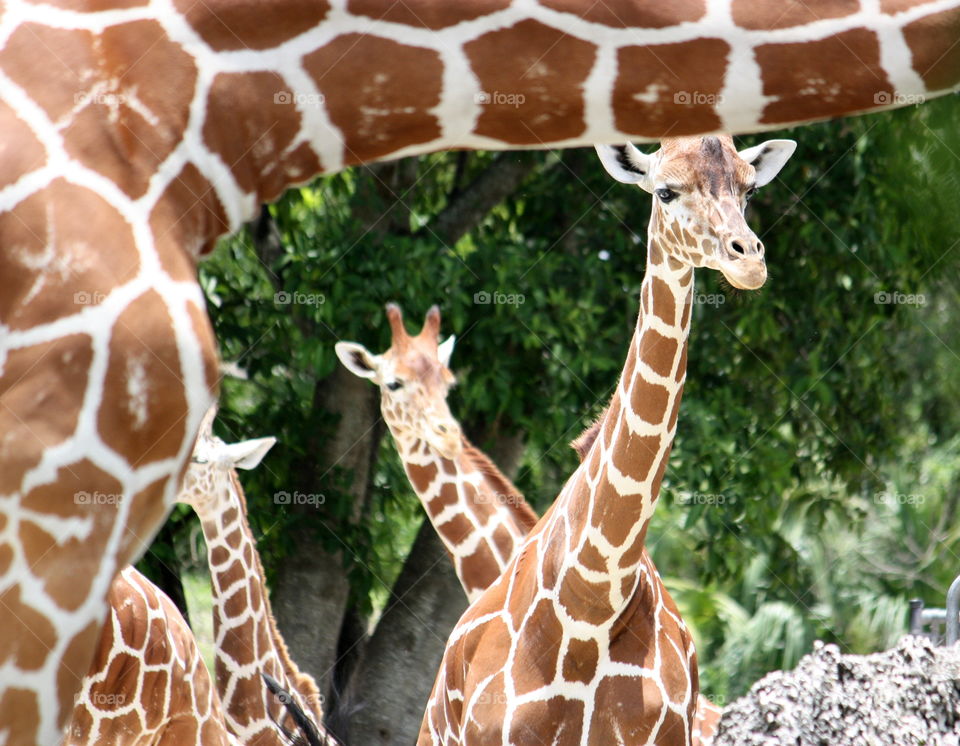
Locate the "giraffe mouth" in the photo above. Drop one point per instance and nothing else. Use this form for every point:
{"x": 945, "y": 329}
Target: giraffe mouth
{"x": 745, "y": 274}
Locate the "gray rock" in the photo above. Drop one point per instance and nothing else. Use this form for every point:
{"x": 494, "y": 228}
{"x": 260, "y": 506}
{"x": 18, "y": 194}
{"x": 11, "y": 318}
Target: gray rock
{"x": 906, "y": 696}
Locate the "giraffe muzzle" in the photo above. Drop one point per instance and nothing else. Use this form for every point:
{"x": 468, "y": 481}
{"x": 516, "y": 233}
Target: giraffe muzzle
{"x": 742, "y": 262}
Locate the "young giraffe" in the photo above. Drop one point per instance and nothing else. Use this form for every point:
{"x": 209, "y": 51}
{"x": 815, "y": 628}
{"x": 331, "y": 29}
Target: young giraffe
{"x": 135, "y": 133}
{"x": 247, "y": 640}
{"x": 579, "y": 642}
{"x": 481, "y": 517}
{"x": 147, "y": 684}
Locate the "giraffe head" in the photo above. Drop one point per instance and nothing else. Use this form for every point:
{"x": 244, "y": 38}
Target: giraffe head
{"x": 414, "y": 381}
{"x": 213, "y": 462}
{"x": 701, "y": 186}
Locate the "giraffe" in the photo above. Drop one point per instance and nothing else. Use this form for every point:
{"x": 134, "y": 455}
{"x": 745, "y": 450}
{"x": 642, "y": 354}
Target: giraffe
{"x": 147, "y": 683}
{"x": 135, "y": 133}
{"x": 579, "y": 641}
{"x": 247, "y": 640}
{"x": 481, "y": 517}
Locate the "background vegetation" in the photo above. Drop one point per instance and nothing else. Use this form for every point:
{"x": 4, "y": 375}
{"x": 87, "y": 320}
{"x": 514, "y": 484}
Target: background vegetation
{"x": 813, "y": 487}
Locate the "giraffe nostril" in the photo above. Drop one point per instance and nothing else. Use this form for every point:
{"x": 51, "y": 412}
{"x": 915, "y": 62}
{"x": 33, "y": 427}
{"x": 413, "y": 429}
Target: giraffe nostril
{"x": 737, "y": 248}
{"x": 442, "y": 428}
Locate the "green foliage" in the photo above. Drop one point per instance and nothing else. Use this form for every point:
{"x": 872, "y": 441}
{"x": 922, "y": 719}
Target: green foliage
{"x": 803, "y": 402}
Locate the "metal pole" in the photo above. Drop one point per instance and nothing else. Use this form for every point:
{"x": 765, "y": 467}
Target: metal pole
{"x": 953, "y": 609}
{"x": 916, "y": 615}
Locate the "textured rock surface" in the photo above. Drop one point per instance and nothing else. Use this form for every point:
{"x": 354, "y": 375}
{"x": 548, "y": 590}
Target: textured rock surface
{"x": 906, "y": 696}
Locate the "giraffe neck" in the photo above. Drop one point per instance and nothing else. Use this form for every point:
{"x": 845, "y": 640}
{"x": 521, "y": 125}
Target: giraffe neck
{"x": 245, "y": 631}
{"x": 610, "y": 499}
{"x": 480, "y": 516}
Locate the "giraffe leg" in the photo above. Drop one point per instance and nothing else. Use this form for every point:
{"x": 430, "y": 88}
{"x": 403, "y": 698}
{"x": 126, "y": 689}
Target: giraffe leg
{"x": 96, "y": 423}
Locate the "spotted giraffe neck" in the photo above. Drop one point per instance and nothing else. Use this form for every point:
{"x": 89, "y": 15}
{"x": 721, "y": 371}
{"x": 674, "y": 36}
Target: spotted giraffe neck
{"x": 626, "y": 462}
{"x": 480, "y": 516}
{"x": 245, "y": 632}
{"x": 591, "y": 627}
{"x": 147, "y": 682}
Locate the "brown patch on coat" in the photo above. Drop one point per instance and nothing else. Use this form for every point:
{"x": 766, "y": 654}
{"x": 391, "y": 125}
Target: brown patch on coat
{"x": 150, "y": 428}
{"x": 580, "y": 662}
{"x": 645, "y": 71}
{"x": 99, "y": 255}
{"x": 936, "y": 54}
{"x": 558, "y": 721}
{"x": 531, "y": 73}
{"x": 537, "y": 649}
{"x": 378, "y": 92}
{"x": 805, "y": 78}
{"x": 228, "y": 25}
{"x": 421, "y": 476}
{"x": 186, "y": 221}
{"x": 479, "y": 569}
{"x": 763, "y": 17}
{"x": 431, "y": 14}
{"x": 627, "y": 14}
{"x": 658, "y": 352}
{"x": 22, "y": 151}
{"x": 254, "y": 146}
{"x": 50, "y": 377}
{"x": 649, "y": 400}
{"x": 583, "y": 600}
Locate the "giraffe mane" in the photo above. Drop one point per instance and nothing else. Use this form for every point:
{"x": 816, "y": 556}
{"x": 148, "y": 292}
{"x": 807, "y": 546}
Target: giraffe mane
{"x": 500, "y": 482}
{"x": 582, "y": 443}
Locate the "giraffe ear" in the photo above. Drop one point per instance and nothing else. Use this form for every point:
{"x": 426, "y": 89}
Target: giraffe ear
{"x": 358, "y": 360}
{"x": 627, "y": 164}
{"x": 768, "y": 158}
{"x": 445, "y": 350}
{"x": 247, "y": 453}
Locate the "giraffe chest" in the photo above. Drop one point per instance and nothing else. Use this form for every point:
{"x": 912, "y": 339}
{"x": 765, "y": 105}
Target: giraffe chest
{"x": 535, "y": 681}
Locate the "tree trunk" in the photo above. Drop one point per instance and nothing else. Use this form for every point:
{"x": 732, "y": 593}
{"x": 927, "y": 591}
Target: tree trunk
{"x": 312, "y": 587}
{"x": 388, "y": 692}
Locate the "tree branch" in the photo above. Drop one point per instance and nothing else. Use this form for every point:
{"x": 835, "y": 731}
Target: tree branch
{"x": 496, "y": 183}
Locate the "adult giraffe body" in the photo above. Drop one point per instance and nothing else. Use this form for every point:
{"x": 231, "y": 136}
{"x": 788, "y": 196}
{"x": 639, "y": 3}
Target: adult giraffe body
{"x": 135, "y": 133}
{"x": 579, "y": 642}
{"x": 481, "y": 517}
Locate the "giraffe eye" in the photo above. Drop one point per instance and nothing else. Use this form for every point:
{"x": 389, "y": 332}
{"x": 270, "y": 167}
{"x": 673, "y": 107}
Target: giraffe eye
{"x": 666, "y": 195}
{"x": 750, "y": 192}
{"x": 394, "y": 385}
